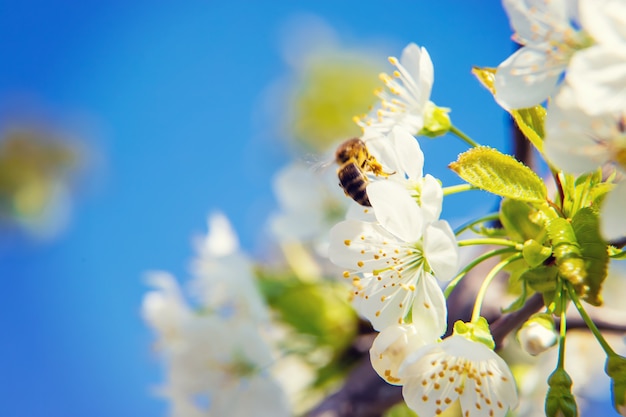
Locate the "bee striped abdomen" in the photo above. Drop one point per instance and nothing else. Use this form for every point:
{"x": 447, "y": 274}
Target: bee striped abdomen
{"x": 354, "y": 182}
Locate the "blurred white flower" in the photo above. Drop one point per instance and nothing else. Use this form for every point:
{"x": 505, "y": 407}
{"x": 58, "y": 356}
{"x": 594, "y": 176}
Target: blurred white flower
{"x": 439, "y": 374}
{"x": 218, "y": 360}
{"x": 550, "y": 34}
{"x": 577, "y": 143}
{"x": 393, "y": 263}
{"x": 598, "y": 73}
{"x": 408, "y": 91}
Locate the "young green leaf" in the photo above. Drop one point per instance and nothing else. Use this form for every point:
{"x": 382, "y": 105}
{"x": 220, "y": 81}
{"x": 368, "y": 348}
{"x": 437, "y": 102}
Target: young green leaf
{"x": 500, "y": 174}
{"x": 594, "y": 252}
{"x": 520, "y": 220}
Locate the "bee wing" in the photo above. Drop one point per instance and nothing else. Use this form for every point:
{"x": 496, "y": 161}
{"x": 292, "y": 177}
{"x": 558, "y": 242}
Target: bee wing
{"x": 319, "y": 163}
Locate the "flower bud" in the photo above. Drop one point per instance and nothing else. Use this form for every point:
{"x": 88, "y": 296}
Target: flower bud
{"x": 537, "y": 335}
{"x": 436, "y": 120}
{"x": 560, "y": 401}
{"x": 616, "y": 369}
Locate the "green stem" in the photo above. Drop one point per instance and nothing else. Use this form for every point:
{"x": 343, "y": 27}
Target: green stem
{"x": 488, "y": 241}
{"x": 463, "y": 137}
{"x": 588, "y": 321}
{"x": 453, "y": 189}
{"x": 452, "y": 284}
{"x": 469, "y": 225}
{"x": 563, "y": 328}
{"x": 488, "y": 279}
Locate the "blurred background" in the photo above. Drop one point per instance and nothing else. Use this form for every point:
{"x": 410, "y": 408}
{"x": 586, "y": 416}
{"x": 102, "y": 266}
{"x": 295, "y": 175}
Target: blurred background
{"x": 123, "y": 124}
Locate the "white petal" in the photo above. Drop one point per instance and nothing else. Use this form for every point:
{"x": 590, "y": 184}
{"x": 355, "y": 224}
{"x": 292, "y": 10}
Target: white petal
{"x": 221, "y": 239}
{"x": 572, "y": 136}
{"x": 418, "y": 64}
{"x": 429, "y": 308}
{"x": 354, "y": 243}
{"x": 395, "y": 210}
{"x": 598, "y": 77}
{"x": 381, "y": 148}
{"x": 536, "y": 21}
{"x": 391, "y": 347}
{"x": 358, "y": 212}
{"x": 441, "y": 250}
{"x": 605, "y": 20}
{"x": 384, "y": 305}
{"x": 431, "y": 198}
{"x": 523, "y": 80}
{"x": 612, "y": 218}
{"x": 408, "y": 151}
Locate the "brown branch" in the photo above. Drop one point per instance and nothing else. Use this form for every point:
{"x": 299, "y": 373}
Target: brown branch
{"x": 364, "y": 394}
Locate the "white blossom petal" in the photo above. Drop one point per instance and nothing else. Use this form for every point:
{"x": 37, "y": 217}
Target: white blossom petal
{"x": 430, "y": 198}
{"x": 523, "y": 80}
{"x": 575, "y": 142}
{"x": 441, "y": 250}
{"x": 598, "y": 75}
{"x": 409, "y": 154}
{"x": 534, "y": 21}
{"x": 429, "y": 308}
{"x": 221, "y": 239}
{"x": 395, "y": 210}
{"x": 355, "y": 244}
{"x": 392, "y": 346}
{"x": 605, "y": 21}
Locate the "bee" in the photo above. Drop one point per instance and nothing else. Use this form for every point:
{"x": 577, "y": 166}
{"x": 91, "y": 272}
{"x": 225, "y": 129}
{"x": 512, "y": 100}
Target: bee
{"x": 355, "y": 162}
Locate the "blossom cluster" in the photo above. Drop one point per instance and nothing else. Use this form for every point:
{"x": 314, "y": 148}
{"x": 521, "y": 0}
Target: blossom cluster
{"x": 398, "y": 253}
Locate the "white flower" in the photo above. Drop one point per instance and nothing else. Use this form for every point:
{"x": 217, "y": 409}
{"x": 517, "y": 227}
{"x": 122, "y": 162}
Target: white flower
{"x": 408, "y": 92}
{"x": 549, "y": 32}
{"x": 577, "y": 143}
{"x": 392, "y": 346}
{"x": 210, "y": 359}
{"x": 393, "y": 263}
{"x": 599, "y": 72}
{"x": 439, "y": 374}
{"x": 399, "y": 152}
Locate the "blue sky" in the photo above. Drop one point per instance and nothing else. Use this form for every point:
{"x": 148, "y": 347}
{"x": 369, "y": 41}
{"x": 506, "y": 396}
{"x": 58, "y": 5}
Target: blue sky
{"x": 165, "y": 92}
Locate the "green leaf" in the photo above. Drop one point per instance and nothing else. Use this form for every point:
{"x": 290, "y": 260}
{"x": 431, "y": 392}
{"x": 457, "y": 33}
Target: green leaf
{"x": 594, "y": 252}
{"x": 500, "y": 174}
{"x": 520, "y": 220}
{"x": 535, "y": 253}
{"x": 531, "y": 122}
